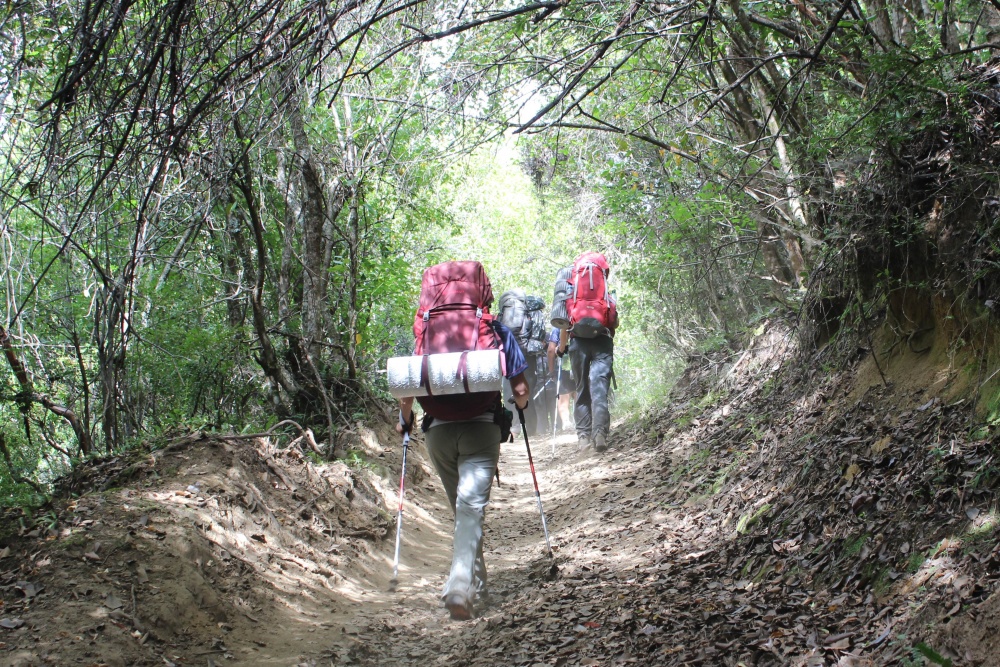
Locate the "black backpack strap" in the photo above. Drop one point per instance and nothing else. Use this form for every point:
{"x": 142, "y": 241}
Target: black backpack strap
{"x": 425, "y": 380}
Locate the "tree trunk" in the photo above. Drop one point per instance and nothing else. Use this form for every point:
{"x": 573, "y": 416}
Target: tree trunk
{"x": 28, "y": 395}
{"x": 107, "y": 339}
{"x": 315, "y": 240}
{"x": 353, "y": 249}
{"x": 290, "y": 221}
{"x": 881, "y": 24}
{"x": 268, "y": 358}
{"x": 949, "y": 34}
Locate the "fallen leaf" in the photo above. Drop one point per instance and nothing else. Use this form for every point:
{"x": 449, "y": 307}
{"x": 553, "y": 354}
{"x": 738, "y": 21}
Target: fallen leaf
{"x": 881, "y": 445}
{"x": 111, "y": 602}
{"x": 29, "y": 589}
{"x": 853, "y": 471}
{"x": 11, "y": 623}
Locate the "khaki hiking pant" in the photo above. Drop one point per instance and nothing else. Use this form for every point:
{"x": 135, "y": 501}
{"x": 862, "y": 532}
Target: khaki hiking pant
{"x": 465, "y": 455}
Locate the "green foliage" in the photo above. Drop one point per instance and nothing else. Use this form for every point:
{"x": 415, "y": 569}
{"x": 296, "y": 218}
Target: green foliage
{"x": 853, "y": 546}
{"x": 141, "y": 220}
{"x": 932, "y": 655}
{"x": 750, "y": 519}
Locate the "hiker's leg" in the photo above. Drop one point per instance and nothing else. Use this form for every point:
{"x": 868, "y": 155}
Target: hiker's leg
{"x": 530, "y": 418}
{"x": 580, "y": 360}
{"x": 442, "y": 448}
{"x": 564, "y": 412}
{"x": 566, "y": 389}
{"x": 545, "y": 422}
{"x": 479, "y": 450}
{"x": 601, "y": 363}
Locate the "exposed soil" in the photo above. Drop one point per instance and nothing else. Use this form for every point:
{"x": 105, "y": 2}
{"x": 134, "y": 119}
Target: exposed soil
{"x": 762, "y": 518}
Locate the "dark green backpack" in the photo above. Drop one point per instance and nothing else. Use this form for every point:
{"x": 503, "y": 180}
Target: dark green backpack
{"x": 539, "y": 336}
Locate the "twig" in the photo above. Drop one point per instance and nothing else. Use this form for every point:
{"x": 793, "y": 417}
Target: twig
{"x": 310, "y": 502}
{"x": 871, "y": 348}
{"x": 111, "y": 553}
{"x": 277, "y": 470}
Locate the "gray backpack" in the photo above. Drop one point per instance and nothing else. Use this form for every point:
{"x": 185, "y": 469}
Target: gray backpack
{"x": 513, "y": 314}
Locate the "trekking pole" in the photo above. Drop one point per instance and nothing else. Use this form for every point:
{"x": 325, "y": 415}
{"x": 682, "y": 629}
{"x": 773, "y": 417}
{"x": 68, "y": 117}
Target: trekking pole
{"x": 399, "y": 514}
{"x": 541, "y": 389}
{"x": 534, "y": 478}
{"x": 555, "y": 413}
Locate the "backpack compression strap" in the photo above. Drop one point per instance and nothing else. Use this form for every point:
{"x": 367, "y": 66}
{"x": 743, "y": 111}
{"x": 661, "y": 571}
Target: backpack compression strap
{"x": 463, "y": 370}
{"x": 589, "y": 268}
{"x": 425, "y": 380}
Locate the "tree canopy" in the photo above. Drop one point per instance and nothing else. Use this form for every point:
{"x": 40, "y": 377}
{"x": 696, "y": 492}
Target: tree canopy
{"x": 217, "y": 214}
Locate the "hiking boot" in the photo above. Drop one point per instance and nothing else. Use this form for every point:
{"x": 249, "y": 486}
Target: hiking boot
{"x": 583, "y": 443}
{"x": 458, "y": 607}
{"x": 600, "y": 442}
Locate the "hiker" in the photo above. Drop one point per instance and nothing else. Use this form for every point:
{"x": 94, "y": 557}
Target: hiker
{"x": 463, "y": 431}
{"x": 543, "y": 392}
{"x": 561, "y": 378}
{"x": 593, "y": 318}
{"x": 515, "y": 313}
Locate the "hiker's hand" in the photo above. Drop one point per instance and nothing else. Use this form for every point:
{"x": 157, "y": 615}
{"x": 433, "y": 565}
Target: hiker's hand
{"x": 560, "y": 353}
{"x": 406, "y": 416}
{"x": 404, "y": 427}
{"x": 519, "y": 387}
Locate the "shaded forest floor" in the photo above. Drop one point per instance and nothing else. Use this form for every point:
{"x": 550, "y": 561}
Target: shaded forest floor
{"x": 764, "y": 517}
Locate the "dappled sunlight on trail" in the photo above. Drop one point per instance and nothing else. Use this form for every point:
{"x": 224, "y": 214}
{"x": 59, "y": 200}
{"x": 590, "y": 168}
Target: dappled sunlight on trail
{"x": 608, "y": 532}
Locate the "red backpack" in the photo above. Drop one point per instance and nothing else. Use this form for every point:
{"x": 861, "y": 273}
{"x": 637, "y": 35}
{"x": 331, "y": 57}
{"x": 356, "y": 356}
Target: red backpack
{"x": 454, "y": 316}
{"x": 589, "y": 306}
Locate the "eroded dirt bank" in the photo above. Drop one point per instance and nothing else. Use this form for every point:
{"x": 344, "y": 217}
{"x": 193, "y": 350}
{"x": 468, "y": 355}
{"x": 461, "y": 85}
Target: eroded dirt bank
{"x": 758, "y": 519}
{"x": 762, "y": 518}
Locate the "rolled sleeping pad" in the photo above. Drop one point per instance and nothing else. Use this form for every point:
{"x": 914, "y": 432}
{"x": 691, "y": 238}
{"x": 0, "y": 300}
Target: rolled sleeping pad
{"x": 563, "y": 289}
{"x": 563, "y": 286}
{"x": 482, "y": 371}
{"x": 559, "y": 318}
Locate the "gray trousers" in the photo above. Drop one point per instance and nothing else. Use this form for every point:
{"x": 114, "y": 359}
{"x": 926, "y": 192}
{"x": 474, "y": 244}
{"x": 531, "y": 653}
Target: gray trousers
{"x": 535, "y": 405}
{"x": 465, "y": 455}
{"x": 592, "y": 360}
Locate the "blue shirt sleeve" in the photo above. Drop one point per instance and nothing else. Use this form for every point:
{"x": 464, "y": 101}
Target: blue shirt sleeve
{"x": 515, "y": 357}
{"x": 554, "y": 336}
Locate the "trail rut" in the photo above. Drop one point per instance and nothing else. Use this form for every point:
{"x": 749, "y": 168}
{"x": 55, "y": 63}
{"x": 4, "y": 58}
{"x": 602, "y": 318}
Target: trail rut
{"x": 600, "y": 511}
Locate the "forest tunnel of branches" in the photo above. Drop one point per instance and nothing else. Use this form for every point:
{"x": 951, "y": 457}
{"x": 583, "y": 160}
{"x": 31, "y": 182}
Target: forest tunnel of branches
{"x": 216, "y": 215}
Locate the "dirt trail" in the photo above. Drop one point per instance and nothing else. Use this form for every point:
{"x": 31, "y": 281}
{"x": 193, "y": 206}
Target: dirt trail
{"x": 602, "y": 519}
{"x": 215, "y": 551}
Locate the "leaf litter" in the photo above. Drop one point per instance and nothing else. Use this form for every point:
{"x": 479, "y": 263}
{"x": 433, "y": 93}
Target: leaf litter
{"x": 805, "y": 519}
